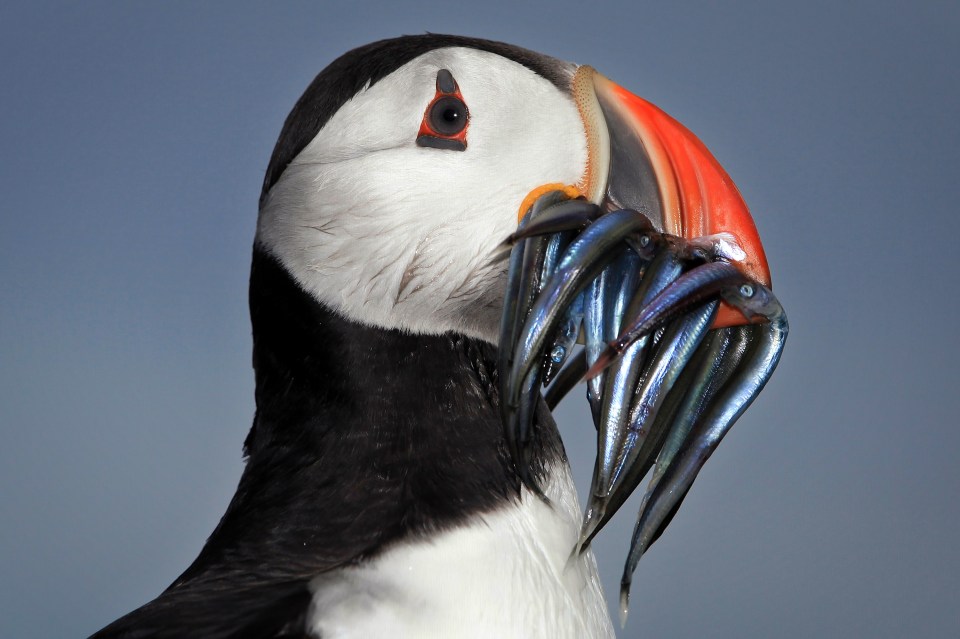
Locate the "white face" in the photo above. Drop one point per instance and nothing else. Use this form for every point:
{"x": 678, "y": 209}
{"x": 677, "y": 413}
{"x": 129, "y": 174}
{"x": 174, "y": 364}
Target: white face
{"x": 396, "y": 235}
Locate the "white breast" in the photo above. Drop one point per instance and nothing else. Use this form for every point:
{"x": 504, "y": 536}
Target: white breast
{"x": 507, "y": 574}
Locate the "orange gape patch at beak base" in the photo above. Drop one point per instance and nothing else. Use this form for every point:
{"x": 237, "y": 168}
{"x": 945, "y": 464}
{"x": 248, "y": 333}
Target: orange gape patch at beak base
{"x": 570, "y": 191}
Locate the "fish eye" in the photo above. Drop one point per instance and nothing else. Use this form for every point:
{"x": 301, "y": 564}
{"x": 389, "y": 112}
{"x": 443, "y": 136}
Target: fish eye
{"x": 746, "y": 290}
{"x": 448, "y": 115}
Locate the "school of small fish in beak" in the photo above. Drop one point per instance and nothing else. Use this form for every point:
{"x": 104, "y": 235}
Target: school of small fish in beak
{"x": 664, "y": 387}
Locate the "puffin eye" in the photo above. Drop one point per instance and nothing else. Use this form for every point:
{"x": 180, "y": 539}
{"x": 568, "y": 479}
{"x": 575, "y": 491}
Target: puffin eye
{"x": 445, "y": 121}
{"x": 448, "y": 115}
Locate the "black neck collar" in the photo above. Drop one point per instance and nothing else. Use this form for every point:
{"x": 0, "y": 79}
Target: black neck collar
{"x": 363, "y": 436}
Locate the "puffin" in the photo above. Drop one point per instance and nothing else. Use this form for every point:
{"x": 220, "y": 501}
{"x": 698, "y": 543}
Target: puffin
{"x": 379, "y": 497}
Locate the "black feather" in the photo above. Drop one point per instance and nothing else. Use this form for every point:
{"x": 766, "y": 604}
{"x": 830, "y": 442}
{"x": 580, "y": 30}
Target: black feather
{"x": 363, "y": 437}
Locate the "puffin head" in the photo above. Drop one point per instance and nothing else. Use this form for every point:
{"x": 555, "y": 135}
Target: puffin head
{"x": 404, "y": 165}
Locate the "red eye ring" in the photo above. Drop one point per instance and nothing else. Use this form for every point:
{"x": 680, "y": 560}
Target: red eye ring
{"x": 446, "y": 119}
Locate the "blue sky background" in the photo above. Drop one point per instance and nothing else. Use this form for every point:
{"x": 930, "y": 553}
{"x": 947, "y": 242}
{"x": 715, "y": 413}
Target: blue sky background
{"x": 134, "y": 139}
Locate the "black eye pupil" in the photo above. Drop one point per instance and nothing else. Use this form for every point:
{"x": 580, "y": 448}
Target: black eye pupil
{"x": 448, "y": 116}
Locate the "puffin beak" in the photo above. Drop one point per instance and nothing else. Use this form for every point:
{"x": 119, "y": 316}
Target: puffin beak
{"x": 654, "y": 264}
{"x": 679, "y": 391}
{"x": 641, "y": 158}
